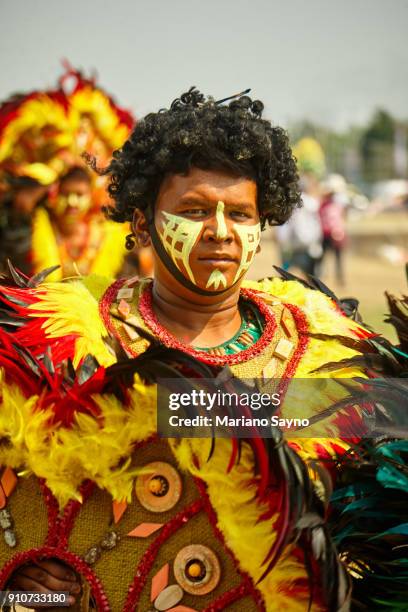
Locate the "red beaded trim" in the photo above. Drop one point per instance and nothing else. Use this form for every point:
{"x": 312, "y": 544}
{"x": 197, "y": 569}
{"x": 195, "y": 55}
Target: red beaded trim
{"x": 105, "y": 305}
{"x": 146, "y": 563}
{"x": 71, "y": 511}
{"x": 71, "y": 559}
{"x": 60, "y": 527}
{"x": 303, "y": 341}
{"x": 150, "y": 319}
{"x": 146, "y": 310}
{"x": 246, "y": 587}
{"x": 242, "y": 590}
{"x": 52, "y": 512}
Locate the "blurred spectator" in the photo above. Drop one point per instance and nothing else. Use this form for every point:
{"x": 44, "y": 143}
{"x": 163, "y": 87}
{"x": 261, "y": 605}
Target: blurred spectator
{"x": 16, "y": 211}
{"x": 300, "y": 239}
{"x": 70, "y": 233}
{"x": 43, "y": 135}
{"x": 333, "y": 221}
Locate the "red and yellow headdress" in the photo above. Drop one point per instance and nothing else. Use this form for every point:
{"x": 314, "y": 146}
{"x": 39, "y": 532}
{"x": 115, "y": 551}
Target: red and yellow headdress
{"x": 43, "y": 133}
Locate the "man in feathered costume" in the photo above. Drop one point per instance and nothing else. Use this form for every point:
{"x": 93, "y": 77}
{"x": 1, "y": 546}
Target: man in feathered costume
{"x": 125, "y": 520}
{"x": 50, "y": 213}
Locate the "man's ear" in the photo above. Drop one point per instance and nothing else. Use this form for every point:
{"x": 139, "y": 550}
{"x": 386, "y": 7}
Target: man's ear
{"x": 140, "y": 228}
{"x": 139, "y": 223}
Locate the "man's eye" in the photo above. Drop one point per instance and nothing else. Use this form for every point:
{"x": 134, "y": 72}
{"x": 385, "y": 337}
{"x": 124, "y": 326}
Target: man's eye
{"x": 238, "y": 214}
{"x": 195, "y": 212}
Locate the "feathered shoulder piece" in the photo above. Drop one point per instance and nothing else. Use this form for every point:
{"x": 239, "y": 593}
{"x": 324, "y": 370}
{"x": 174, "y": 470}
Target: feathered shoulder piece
{"x": 61, "y": 317}
{"x": 323, "y": 311}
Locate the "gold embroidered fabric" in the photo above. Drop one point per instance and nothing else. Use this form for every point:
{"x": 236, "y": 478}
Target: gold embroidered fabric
{"x": 252, "y": 367}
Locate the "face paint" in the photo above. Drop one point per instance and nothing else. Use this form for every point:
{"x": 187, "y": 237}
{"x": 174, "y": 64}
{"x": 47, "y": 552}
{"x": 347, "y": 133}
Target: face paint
{"x": 178, "y": 230}
{"x": 217, "y": 278}
{"x": 81, "y": 202}
{"x": 249, "y": 236}
{"x": 221, "y": 225}
{"x": 179, "y": 236}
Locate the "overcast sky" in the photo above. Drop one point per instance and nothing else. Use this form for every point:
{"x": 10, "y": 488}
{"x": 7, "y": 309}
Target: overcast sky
{"x": 329, "y": 60}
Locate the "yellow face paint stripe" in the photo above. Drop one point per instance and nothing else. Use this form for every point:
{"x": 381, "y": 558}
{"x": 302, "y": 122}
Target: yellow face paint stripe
{"x": 221, "y": 225}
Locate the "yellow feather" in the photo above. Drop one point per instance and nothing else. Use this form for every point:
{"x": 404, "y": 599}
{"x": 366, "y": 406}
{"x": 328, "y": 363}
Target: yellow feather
{"x": 233, "y": 495}
{"x": 94, "y": 103}
{"x": 90, "y": 449}
{"x": 70, "y": 308}
{"x": 35, "y": 114}
{"x": 44, "y": 248}
{"x": 321, "y": 313}
{"x": 112, "y": 251}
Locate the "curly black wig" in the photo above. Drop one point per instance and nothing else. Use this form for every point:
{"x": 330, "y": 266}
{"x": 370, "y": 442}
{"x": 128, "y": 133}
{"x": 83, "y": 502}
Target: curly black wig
{"x": 200, "y": 132}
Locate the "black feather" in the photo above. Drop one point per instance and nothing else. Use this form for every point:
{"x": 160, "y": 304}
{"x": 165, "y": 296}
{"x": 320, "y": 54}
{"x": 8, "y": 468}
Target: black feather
{"x": 291, "y": 277}
{"x": 19, "y": 279}
{"x": 37, "y": 279}
{"x": 87, "y": 369}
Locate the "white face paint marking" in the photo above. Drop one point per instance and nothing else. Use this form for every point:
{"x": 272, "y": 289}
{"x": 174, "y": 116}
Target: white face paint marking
{"x": 217, "y": 278}
{"x": 182, "y": 231}
{"x": 250, "y": 236}
{"x": 221, "y": 225}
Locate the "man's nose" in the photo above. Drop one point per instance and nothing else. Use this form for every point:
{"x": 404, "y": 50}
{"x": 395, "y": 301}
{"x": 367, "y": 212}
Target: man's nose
{"x": 218, "y": 228}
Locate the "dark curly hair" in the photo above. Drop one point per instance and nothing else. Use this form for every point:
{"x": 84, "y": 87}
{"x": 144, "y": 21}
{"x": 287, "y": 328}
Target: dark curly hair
{"x": 209, "y": 135}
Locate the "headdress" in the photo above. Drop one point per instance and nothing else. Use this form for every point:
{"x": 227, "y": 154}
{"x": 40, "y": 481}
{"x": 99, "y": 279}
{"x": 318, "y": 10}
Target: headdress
{"x": 44, "y": 133}
{"x": 310, "y": 157}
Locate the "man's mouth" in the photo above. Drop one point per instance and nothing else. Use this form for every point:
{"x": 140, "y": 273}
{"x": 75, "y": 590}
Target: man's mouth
{"x": 218, "y": 257}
